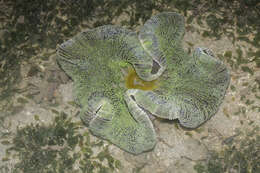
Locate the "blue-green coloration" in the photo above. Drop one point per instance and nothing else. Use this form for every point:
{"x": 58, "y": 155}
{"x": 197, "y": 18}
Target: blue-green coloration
{"x": 191, "y": 87}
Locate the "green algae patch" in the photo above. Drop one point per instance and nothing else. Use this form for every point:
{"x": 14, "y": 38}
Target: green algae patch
{"x": 58, "y": 147}
{"x": 237, "y": 156}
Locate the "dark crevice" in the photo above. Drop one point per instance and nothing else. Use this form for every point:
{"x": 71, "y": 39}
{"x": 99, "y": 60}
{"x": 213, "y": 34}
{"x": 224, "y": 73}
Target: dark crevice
{"x": 155, "y": 67}
{"x": 132, "y": 97}
{"x": 98, "y": 109}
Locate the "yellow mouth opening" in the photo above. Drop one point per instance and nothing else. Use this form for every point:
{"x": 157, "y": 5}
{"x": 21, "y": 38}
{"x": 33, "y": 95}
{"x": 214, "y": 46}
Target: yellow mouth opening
{"x": 133, "y": 81}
